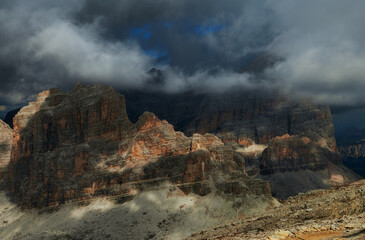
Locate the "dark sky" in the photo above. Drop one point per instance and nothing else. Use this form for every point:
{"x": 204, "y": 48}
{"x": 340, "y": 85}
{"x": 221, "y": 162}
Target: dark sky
{"x": 348, "y": 118}
{"x": 199, "y": 44}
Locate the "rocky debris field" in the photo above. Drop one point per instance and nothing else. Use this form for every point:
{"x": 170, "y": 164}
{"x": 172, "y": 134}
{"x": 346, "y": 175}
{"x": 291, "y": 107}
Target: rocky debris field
{"x": 167, "y": 213}
{"x": 336, "y": 213}
{"x": 161, "y": 213}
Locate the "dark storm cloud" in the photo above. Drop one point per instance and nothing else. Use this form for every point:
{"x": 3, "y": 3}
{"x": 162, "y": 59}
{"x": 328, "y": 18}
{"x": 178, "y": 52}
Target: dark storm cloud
{"x": 198, "y": 44}
{"x": 324, "y": 49}
{"x": 241, "y": 27}
{"x": 42, "y": 48}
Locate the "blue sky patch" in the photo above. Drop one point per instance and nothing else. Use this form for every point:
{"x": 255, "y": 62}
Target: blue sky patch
{"x": 167, "y": 24}
{"x": 155, "y": 53}
{"x": 161, "y": 57}
{"x": 203, "y": 30}
{"x": 141, "y": 33}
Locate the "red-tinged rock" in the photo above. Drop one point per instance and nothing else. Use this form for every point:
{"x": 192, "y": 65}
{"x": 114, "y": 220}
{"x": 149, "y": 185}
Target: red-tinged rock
{"x": 155, "y": 138}
{"x": 81, "y": 144}
{"x": 61, "y": 136}
{"x": 208, "y": 141}
{"x": 292, "y": 153}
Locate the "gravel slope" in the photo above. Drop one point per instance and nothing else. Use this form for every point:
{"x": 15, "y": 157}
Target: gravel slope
{"x": 164, "y": 213}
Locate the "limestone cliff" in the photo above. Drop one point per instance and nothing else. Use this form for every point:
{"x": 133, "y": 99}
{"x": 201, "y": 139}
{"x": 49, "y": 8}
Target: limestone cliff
{"x": 81, "y": 144}
{"x": 291, "y": 153}
{"x": 241, "y": 116}
{"x": 296, "y": 164}
{"x": 251, "y": 120}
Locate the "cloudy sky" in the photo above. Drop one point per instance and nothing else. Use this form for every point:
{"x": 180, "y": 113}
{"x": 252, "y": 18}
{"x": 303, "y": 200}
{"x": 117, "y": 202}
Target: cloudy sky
{"x": 199, "y": 44}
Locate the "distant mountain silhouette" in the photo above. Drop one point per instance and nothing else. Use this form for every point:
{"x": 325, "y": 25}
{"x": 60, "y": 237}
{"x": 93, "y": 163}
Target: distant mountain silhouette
{"x": 9, "y": 117}
{"x": 351, "y": 136}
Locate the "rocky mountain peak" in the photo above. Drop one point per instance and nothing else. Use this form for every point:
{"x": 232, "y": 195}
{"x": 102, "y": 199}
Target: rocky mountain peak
{"x": 81, "y": 144}
{"x": 148, "y": 120}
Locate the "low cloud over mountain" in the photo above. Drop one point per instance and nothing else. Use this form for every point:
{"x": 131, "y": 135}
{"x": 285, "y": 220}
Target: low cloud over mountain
{"x": 198, "y": 44}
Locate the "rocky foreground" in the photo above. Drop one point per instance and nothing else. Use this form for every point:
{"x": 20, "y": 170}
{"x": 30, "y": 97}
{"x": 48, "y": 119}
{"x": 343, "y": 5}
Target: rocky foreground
{"x": 337, "y": 213}
{"x": 163, "y": 212}
{"x": 167, "y": 213}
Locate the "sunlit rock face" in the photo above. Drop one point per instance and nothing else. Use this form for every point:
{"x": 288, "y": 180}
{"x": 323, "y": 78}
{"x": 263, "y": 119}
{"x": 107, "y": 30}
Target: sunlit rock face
{"x": 81, "y": 144}
{"x": 6, "y": 137}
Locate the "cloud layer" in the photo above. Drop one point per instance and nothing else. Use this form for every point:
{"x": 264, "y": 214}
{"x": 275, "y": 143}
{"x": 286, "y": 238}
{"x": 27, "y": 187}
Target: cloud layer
{"x": 324, "y": 49}
{"x": 198, "y": 44}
